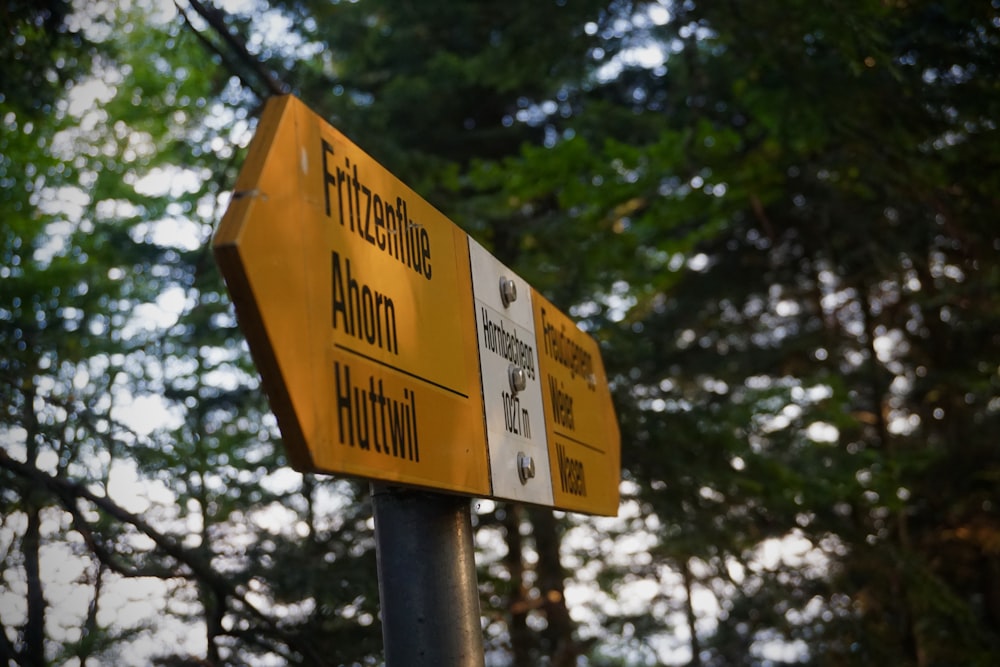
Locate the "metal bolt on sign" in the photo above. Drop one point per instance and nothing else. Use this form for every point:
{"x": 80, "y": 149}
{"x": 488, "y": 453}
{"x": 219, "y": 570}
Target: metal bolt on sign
{"x": 518, "y": 378}
{"x": 508, "y": 291}
{"x": 525, "y": 467}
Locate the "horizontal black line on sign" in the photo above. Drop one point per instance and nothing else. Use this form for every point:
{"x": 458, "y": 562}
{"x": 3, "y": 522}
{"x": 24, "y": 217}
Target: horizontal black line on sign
{"x": 399, "y": 370}
{"x": 579, "y": 442}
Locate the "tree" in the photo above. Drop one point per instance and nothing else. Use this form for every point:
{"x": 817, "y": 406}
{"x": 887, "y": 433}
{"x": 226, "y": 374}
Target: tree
{"x": 778, "y": 205}
{"x": 797, "y": 216}
{"x": 105, "y": 219}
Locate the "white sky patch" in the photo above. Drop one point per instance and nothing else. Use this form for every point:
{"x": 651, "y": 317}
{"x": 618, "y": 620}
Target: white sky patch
{"x": 135, "y": 493}
{"x": 634, "y": 597}
{"x": 93, "y": 17}
{"x": 619, "y": 301}
{"x": 904, "y": 425}
{"x": 886, "y": 345}
{"x": 182, "y": 233}
{"x": 275, "y": 28}
{"x": 698, "y": 262}
{"x": 645, "y": 51}
{"x": 275, "y": 518}
{"x": 235, "y": 6}
{"x": 646, "y": 57}
{"x": 781, "y": 652}
{"x": 822, "y": 432}
{"x": 144, "y": 414}
{"x": 161, "y": 314}
{"x": 282, "y": 480}
{"x": 175, "y": 182}
{"x": 57, "y": 234}
{"x": 782, "y": 420}
{"x": 66, "y": 201}
{"x": 812, "y": 394}
{"x": 786, "y": 308}
{"x": 658, "y": 13}
{"x": 109, "y": 209}
{"x": 793, "y": 550}
{"x": 84, "y": 97}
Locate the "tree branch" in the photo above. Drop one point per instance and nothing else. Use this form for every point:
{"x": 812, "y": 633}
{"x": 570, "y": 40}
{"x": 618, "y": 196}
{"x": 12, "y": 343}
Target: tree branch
{"x": 211, "y": 46}
{"x": 214, "y": 18}
{"x": 104, "y": 555}
{"x": 68, "y": 492}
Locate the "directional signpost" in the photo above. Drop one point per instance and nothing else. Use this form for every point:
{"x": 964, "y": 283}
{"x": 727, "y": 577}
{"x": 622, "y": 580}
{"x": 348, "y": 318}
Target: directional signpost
{"x": 394, "y": 347}
{"x": 355, "y": 298}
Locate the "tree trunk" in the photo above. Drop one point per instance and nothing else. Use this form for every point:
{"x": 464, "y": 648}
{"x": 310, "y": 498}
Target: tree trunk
{"x": 558, "y": 634}
{"x": 34, "y": 627}
{"x": 517, "y": 624}
{"x": 90, "y": 627}
{"x": 913, "y": 644}
{"x": 692, "y": 620}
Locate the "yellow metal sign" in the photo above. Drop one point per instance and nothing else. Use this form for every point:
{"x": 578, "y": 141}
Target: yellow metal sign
{"x": 583, "y": 438}
{"x": 355, "y": 297}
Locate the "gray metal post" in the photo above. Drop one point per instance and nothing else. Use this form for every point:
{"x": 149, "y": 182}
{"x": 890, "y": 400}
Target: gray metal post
{"x": 427, "y": 579}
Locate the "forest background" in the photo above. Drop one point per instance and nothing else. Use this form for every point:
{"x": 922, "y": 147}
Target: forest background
{"x": 780, "y": 220}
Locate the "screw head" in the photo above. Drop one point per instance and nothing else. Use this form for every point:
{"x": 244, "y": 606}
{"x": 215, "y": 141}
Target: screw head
{"x": 525, "y": 467}
{"x": 508, "y": 291}
{"x": 518, "y": 378}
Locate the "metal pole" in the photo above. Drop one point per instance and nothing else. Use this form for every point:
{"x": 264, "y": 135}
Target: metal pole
{"x": 427, "y": 579}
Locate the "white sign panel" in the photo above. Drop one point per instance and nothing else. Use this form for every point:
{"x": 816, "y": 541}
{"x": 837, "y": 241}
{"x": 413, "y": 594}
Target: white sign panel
{"x": 512, "y": 383}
